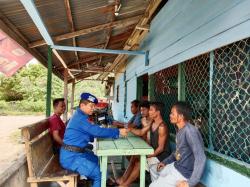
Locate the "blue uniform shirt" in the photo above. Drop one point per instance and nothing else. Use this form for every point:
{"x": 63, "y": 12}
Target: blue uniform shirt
{"x": 80, "y": 131}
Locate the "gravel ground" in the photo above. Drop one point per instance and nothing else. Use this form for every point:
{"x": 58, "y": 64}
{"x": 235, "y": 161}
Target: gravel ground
{"x": 10, "y": 140}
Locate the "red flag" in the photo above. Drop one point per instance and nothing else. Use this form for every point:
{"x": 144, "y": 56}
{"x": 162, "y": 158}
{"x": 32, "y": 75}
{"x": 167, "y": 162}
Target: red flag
{"x": 12, "y": 55}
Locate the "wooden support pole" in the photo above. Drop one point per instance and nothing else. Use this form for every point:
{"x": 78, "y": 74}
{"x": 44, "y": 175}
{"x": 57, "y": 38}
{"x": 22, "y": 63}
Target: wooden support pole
{"x": 65, "y": 115}
{"x": 49, "y": 78}
{"x": 72, "y": 98}
{"x": 181, "y": 83}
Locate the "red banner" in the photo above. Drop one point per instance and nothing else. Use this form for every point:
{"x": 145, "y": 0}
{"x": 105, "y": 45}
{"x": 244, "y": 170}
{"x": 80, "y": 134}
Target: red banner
{"x": 12, "y": 55}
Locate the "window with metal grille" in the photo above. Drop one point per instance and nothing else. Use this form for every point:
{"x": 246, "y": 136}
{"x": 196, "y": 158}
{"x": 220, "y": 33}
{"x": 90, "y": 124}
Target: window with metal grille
{"x": 164, "y": 88}
{"x": 230, "y": 117}
{"x": 217, "y": 86}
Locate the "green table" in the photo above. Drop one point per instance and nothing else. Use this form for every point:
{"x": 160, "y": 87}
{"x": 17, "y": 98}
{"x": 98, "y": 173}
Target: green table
{"x": 132, "y": 145}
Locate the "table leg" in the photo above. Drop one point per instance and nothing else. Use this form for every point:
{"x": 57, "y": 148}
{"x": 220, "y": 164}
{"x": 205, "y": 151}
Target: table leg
{"x": 104, "y": 163}
{"x": 142, "y": 170}
{"x": 100, "y": 162}
{"x": 123, "y": 162}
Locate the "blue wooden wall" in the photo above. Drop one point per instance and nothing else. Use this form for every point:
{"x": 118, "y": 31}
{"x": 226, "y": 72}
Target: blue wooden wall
{"x": 182, "y": 30}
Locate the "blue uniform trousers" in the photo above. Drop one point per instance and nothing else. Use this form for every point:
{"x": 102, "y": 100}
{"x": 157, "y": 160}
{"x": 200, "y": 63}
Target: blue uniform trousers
{"x": 83, "y": 163}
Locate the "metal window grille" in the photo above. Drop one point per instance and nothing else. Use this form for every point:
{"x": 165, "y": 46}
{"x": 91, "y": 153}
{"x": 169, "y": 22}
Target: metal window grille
{"x": 196, "y": 88}
{"x": 165, "y": 89}
{"x": 230, "y": 115}
{"x": 217, "y": 86}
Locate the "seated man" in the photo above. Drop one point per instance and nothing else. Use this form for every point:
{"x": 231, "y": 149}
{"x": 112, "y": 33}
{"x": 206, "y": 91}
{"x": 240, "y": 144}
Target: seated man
{"x": 184, "y": 167}
{"x": 73, "y": 154}
{"x": 56, "y": 125}
{"x": 152, "y": 122}
{"x": 135, "y": 121}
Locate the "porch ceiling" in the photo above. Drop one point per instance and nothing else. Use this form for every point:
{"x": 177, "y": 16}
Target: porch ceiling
{"x": 85, "y": 23}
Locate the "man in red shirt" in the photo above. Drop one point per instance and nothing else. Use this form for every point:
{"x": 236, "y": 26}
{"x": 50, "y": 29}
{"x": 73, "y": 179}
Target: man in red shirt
{"x": 56, "y": 125}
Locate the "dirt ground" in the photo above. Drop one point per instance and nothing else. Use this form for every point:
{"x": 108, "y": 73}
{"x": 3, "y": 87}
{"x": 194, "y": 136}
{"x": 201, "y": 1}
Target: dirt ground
{"x": 11, "y": 146}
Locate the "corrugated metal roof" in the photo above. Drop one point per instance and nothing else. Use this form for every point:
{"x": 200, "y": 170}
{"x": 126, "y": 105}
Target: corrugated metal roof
{"x": 85, "y": 14}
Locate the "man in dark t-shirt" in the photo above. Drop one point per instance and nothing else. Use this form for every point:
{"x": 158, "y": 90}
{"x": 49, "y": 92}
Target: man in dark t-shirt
{"x": 151, "y": 122}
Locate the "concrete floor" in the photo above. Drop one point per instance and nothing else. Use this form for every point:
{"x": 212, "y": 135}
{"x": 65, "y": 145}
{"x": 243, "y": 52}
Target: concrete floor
{"x": 120, "y": 171}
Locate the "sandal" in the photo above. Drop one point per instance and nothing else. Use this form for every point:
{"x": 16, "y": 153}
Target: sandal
{"x": 111, "y": 182}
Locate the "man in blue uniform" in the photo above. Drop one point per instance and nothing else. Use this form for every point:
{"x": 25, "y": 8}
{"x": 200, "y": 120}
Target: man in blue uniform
{"x": 79, "y": 132}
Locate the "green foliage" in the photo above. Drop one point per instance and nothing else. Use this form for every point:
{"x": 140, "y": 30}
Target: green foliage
{"x": 26, "y": 90}
{"x": 21, "y": 107}
{"x": 10, "y": 88}
{"x": 29, "y": 84}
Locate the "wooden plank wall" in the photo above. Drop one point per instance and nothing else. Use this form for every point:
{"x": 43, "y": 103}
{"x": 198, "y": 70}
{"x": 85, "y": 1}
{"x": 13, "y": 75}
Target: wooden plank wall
{"x": 184, "y": 29}
{"x": 195, "y": 27}
{"x": 187, "y": 28}
{"x": 131, "y": 95}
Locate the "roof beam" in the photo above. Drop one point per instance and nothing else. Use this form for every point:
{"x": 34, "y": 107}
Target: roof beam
{"x": 143, "y": 27}
{"x": 134, "y": 40}
{"x": 95, "y": 50}
{"x": 30, "y": 7}
{"x": 71, "y": 23}
{"x": 90, "y": 71}
{"x": 83, "y": 60}
{"x": 120, "y": 37}
{"x": 109, "y": 32}
{"x": 115, "y": 24}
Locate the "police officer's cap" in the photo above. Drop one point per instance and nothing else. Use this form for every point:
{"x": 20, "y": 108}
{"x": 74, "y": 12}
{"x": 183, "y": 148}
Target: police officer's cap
{"x": 89, "y": 97}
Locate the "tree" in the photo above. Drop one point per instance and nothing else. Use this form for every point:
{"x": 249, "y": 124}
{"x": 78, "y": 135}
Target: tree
{"x": 30, "y": 82}
{"x": 10, "y": 88}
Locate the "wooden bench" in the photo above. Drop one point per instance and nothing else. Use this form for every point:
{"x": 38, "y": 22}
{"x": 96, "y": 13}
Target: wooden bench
{"x": 43, "y": 165}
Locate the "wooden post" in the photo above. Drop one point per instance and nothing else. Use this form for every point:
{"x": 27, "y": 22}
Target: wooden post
{"x": 33, "y": 184}
{"x": 26, "y": 135}
{"x": 211, "y": 72}
{"x": 181, "y": 83}
{"x": 72, "y": 98}
{"x": 65, "y": 115}
{"x": 49, "y": 77}
{"x": 139, "y": 88}
{"x": 151, "y": 87}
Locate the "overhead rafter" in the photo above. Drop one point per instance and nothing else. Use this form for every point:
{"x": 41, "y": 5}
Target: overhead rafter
{"x": 83, "y": 60}
{"x": 88, "y": 60}
{"x": 83, "y": 76}
{"x": 109, "y": 32}
{"x": 95, "y": 50}
{"x": 35, "y": 16}
{"x": 116, "y": 24}
{"x": 120, "y": 37}
{"x": 71, "y": 23}
{"x": 136, "y": 37}
{"x": 143, "y": 27}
